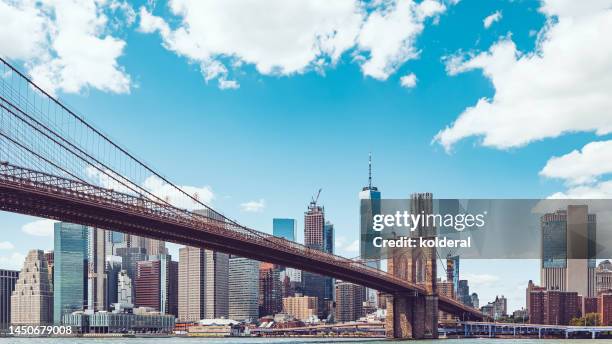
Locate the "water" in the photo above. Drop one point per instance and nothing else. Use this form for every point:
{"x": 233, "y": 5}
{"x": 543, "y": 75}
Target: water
{"x": 283, "y": 341}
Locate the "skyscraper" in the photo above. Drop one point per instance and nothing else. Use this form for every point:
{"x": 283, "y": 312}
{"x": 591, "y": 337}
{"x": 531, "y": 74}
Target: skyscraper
{"x": 270, "y": 289}
{"x": 156, "y": 284}
{"x": 568, "y": 238}
{"x": 32, "y": 299}
{"x": 96, "y": 269}
{"x": 369, "y": 205}
{"x": 314, "y": 218}
{"x": 130, "y": 256}
{"x": 284, "y": 228}
{"x": 463, "y": 293}
{"x": 70, "y": 275}
{"x": 349, "y": 301}
{"x": 8, "y": 278}
{"x": 203, "y": 284}
{"x": 243, "y": 289}
{"x": 113, "y": 267}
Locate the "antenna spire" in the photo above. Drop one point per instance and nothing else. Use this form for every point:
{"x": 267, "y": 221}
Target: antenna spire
{"x": 370, "y": 170}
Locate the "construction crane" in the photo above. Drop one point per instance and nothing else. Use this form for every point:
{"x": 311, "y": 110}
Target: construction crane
{"x": 315, "y": 199}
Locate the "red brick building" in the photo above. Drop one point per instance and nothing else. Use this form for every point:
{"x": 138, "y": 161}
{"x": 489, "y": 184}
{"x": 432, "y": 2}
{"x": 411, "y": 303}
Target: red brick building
{"x": 553, "y": 307}
{"x": 604, "y": 308}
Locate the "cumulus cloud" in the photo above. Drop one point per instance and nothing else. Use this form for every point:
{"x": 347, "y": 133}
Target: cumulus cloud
{"x": 562, "y": 87}
{"x": 14, "y": 261}
{"x": 42, "y": 228}
{"x": 253, "y": 206}
{"x": 602, "y": 190}
{"x": 6, "y": 245}
{"x": 481, "y": 280}
{"x": 287, "y": 37}
{"x": 492, "y": 18}
{"x": 581, "y": 166}
{"x": 345, "y": 247}
{"x": 408, "y": 80}
{"x": 165, "y": 191}
{"x": 67, "y": 45}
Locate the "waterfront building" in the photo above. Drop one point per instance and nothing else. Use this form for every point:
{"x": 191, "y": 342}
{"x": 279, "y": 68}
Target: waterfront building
{"x": 350, "y": 298}
{"x": 125, "y": 290}
{"x": 8, "y": 278}
{"x": 32, "y": 298}
{"x": 445, "y": 288}
{"x": 243, "y": 289}
{"x": 589, "y": 305}
{"x": 553, "y": 307}
{"x": 270, "y": 289}
{"x": 203, "y": 284}
{"x": 531, "y": 287}
{"x": 96, "y": 269}
{"x": 117, "y": 322}
{"x": 70, "y": 269}
{"x": 156, "y": 284}
{"x": 284, "y": 228}
{"x": 303, "y": 308}
{"x": 568, "y": 245}
{"x": 604, "y": 307}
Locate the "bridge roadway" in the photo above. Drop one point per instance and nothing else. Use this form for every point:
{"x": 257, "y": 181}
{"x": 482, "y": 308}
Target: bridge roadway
{"x": 492, "y": 329}
{"x": 39, "y": 194}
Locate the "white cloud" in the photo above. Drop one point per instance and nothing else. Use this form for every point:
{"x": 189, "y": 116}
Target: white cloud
{"x": 602, "y": 190}
{"x": 67, "y": 45}
{"x": 562, "y": 87}
{"x": 581, "y": 167}
{"x": 490, "y": 19}
{"x": 408, "y": 80}
{"x": 253, "y": 206}
{"x": 481, "y": 280}
{"x": 389, "y": 35}
{"x": 165, "y": 191}
{"x": 281, "y": 37}
{"x": 43, "y": 228}
{"x": 345, "y": 247}
{"x": 13, "y": 261}
{"x": 6, "y": 245}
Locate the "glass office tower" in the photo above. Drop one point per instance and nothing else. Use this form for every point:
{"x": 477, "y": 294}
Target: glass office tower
{"x": 70, "y": 269}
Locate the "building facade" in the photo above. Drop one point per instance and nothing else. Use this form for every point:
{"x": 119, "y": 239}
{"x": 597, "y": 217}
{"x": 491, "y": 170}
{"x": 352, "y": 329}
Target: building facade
{"x": 243, "y": 289}
{"x": 8, "y": 278}
{"x": 568, "y": 250}
{"x": 553, "y": 307}
{"x": 203, "y": 284}
{"x": 270, "y": 289}
{"x": 349, "y": 301}
{"x": 32, "y": 299}
{"x": 96, "y": 270}
{"x": 125, "y": 289}
{"x": 303, "y": 308}
{"x": 70, "y": 269}
{"x": 157, "y": 283}
{"x": 284, "y": 228}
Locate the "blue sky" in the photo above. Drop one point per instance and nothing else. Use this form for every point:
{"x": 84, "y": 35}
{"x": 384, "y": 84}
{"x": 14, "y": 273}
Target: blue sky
{"x": 273, "y": 137}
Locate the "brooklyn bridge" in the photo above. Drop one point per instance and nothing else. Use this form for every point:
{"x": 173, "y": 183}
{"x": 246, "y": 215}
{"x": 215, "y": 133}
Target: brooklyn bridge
{"x": 54, "y": 164}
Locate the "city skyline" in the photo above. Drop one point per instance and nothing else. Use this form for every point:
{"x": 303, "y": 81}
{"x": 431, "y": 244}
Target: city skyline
{"x": 312, "y": 135}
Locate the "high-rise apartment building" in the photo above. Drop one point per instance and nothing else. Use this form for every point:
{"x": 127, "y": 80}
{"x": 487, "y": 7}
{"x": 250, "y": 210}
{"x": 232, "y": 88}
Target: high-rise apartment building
{"x": 203, "y": 284}
{"x": 604, "y": 307}
{"x": 314, "y": 219}
{"x": 270, "y": 289}
{"x": 303, "y": 308}
{"x": 8, "y": 278}
{"x": 96, "y": 270}
{"x": 349, "y": 301}
{"x": 568, "y": 250}
{"x": 156, "y": 284}
{"x": 553, "y": 307}
{"x": 70, "y": 269}
{"x": 32, "y": 299}
{"x": 243, "y": 289}
{"x": 284, "y": 228}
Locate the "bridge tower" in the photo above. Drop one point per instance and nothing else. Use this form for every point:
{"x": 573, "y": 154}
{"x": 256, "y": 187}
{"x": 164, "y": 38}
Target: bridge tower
{"x": 414, "y": 315}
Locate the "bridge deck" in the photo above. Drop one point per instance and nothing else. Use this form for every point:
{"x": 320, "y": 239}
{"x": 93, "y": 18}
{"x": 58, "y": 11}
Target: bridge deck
{"x": 35, "y": 193}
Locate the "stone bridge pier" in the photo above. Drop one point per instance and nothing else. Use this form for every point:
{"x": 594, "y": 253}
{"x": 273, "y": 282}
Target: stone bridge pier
{"x": 412, "y": 316}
